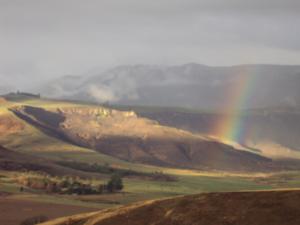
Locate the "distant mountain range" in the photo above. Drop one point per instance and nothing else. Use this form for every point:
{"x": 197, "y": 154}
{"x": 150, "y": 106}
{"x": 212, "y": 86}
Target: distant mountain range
{"x": 189, "y": 85}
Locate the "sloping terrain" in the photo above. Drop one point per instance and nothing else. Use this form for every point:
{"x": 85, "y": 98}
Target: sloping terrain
{"x": 242, "y": 208}
{"x": 273, "y": 131}
{"x": 15, "y": 161}
{"x": 128, "y": 137}
{"x": 56, "y": 130}
{"x": 2, "y": 100}
{"x": 9, "y": 125}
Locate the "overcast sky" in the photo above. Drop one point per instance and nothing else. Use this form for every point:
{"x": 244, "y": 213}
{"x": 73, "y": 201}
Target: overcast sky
{"x": 41, "y": 39}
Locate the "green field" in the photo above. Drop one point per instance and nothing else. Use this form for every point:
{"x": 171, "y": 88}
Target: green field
{"x": 33, "y": 141}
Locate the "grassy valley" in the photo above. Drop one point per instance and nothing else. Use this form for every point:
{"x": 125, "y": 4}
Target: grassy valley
{"x": 38, "y": 150}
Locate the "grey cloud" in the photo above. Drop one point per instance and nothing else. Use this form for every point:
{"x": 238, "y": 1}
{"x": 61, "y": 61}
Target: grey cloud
{"x": 102, "y": 94}
{"x": 42, "y": 39}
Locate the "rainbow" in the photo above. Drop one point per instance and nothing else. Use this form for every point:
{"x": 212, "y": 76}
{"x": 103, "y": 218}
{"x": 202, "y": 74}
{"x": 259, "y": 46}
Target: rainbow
{"x": 231, "y": 127}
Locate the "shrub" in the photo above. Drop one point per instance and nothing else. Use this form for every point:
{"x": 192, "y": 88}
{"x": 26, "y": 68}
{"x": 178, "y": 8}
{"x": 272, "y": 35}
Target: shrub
{"x": 34, "y": 220}
{"x": 115, "y": 183}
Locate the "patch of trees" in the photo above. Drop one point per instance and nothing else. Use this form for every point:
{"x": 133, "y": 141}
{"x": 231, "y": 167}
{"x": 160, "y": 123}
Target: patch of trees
{"x": 34, "y": 220}
{"x": 115, "y": 183}
{"x": 68, "y": 185}
{"x": 21, "y": 95}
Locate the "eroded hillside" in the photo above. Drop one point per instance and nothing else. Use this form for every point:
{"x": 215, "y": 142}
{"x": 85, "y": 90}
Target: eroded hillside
{"x": 126, "y": 136}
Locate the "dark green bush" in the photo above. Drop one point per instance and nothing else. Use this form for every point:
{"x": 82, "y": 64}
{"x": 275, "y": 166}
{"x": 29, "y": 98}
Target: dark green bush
{"x": 34, "y": 220}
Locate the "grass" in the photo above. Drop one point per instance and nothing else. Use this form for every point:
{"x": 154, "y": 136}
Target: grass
{"x": 149, "y": 108}
{"x": 193, "y": 184}
{"x": 33, "y": 141}
{"x": 30, "y": 139}
{"x": 137, "y": 190}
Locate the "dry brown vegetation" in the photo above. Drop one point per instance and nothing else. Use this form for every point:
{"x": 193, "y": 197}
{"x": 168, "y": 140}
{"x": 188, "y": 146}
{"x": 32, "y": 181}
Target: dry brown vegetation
{"x": 10, "y": 125}
{"x": 128, "y": 137}
{"x": 240, "y": 208}
{"x": 2, "y": 100}
{"x": 13, "y": 211}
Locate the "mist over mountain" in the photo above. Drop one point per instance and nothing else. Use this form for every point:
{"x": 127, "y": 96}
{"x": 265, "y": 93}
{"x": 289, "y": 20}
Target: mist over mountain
{"x": 4, "y": 89}
{"x": 190, "y": 85}
{"x": 5, "y": 86}
{"x": 63, "y": 87}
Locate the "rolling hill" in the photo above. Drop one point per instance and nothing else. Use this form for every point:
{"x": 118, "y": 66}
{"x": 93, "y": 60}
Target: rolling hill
{"x": 243, "y": 208}
{"x": 271, "y": 131}
{"x": 65, "y": 138}
{"x": 16, "y": 161}
{"x": 126, "y": 136}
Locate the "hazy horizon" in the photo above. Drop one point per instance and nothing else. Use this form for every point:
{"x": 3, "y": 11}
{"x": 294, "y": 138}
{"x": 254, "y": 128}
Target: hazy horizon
{"x": 44, "y": 40}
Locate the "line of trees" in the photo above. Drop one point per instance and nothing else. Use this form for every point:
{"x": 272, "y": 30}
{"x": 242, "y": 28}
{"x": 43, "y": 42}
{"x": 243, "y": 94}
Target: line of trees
{"x": 72, "y": 186}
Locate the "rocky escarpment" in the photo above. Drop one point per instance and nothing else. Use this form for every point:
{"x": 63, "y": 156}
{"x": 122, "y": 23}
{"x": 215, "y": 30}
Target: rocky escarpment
{"x": 126, "y": 136}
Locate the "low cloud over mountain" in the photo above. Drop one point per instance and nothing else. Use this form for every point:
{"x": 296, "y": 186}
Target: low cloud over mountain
{"x": 189, "y": 85}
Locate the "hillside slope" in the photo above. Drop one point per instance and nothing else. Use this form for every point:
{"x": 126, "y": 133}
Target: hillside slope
{"x": 242, "y": 208}
{"x": 16, "y": 161}
{"x": 273, "y": 131}
{"x": 128, "y": 137}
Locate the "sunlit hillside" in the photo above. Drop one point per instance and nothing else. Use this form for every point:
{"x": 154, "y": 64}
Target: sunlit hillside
{"x": 36, "y": 153}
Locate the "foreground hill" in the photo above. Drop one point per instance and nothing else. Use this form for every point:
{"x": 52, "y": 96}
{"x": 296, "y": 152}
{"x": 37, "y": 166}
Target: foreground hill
{"x": 126, "y": 136}
{"x": 15, "y": 211}
{"x": 242, "y": 208}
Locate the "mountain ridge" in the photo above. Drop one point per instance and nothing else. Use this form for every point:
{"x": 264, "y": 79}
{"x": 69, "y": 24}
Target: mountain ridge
{"x": 189, "y": 85}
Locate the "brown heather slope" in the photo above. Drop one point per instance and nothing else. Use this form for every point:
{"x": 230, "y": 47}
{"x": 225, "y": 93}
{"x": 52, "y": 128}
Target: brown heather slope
{"x": 14, "y": 210}
{"x": 239, "y": 208}
{"x": 126, "y": 136}
{"x": 9, "y": 125}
